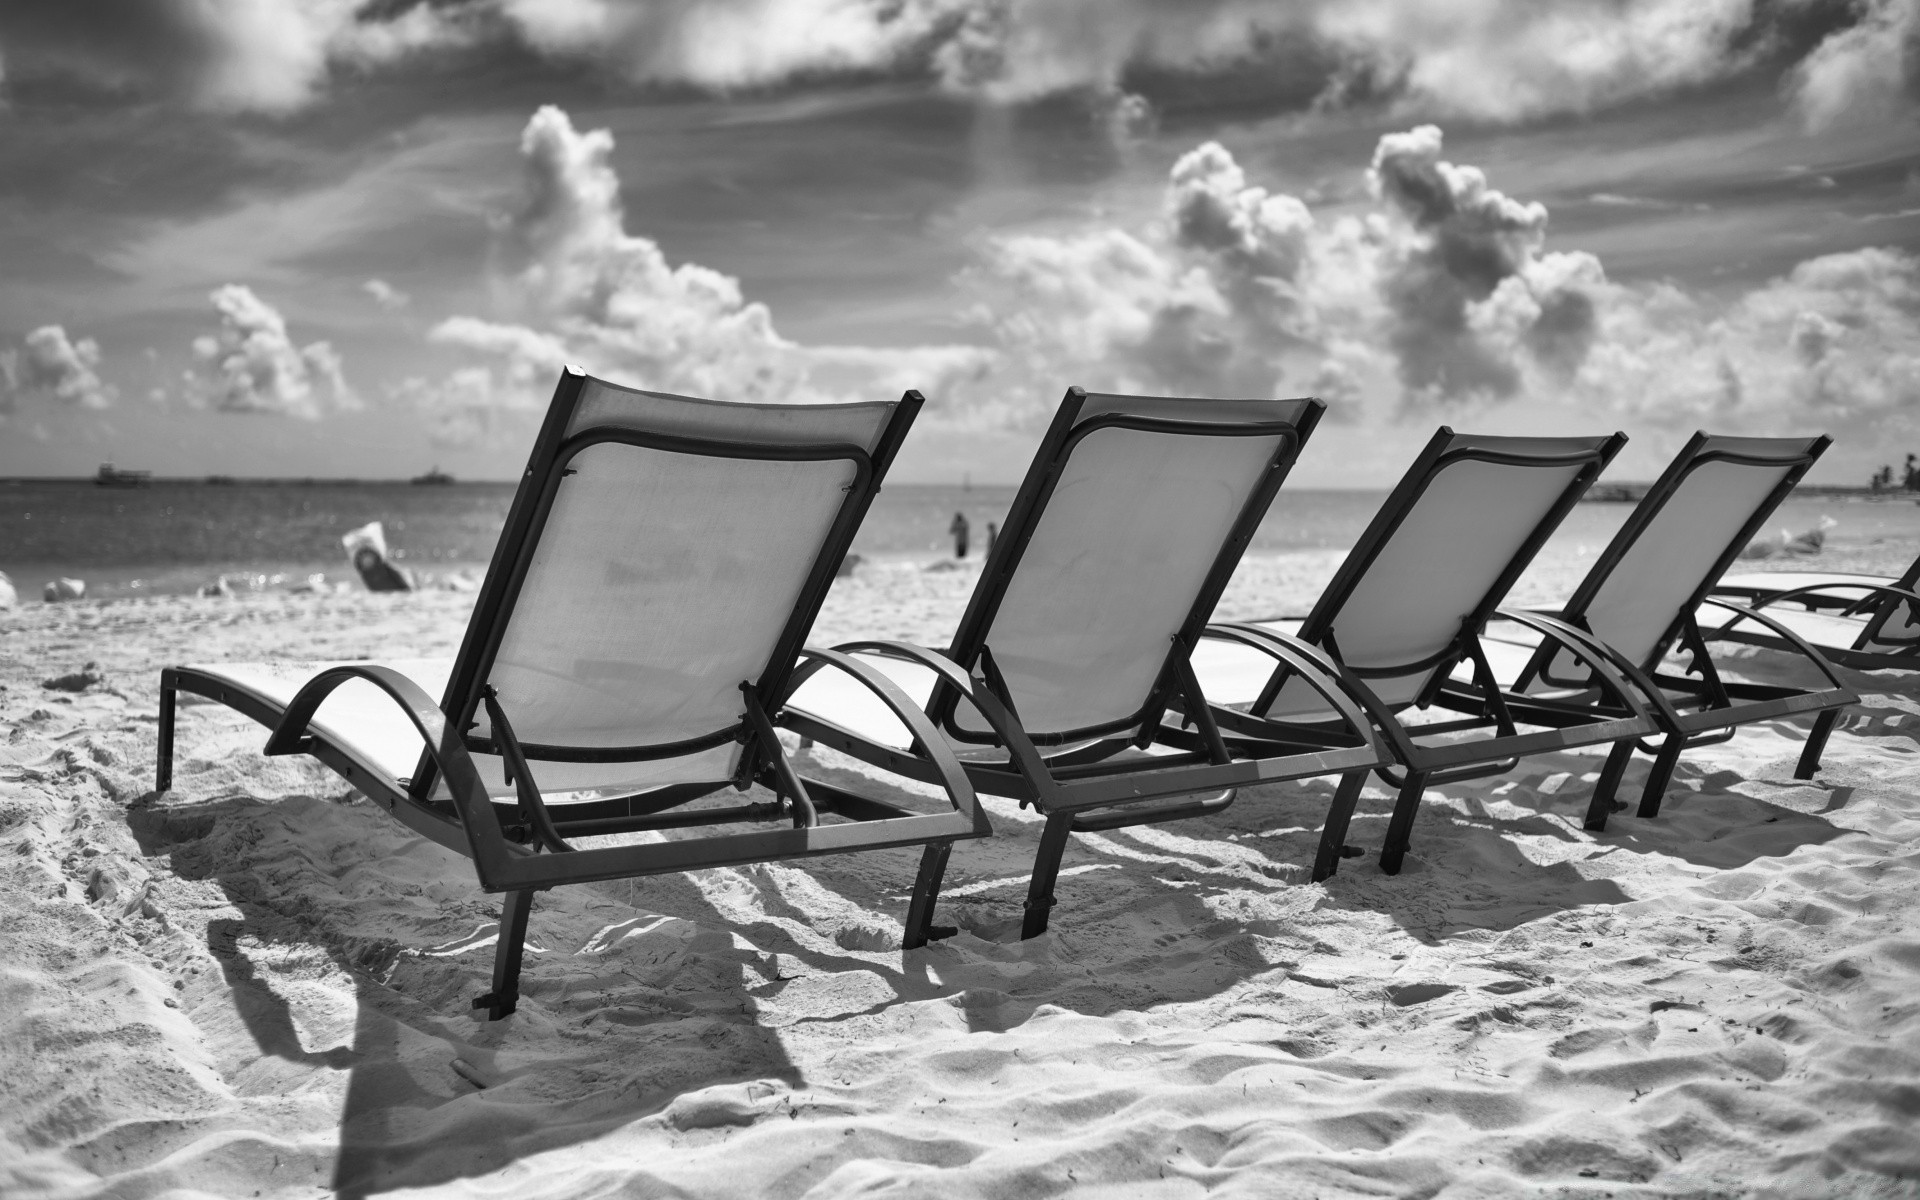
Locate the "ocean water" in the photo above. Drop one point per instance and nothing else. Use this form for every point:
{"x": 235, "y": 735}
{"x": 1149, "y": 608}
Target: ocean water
{"x": 173, "y": 537}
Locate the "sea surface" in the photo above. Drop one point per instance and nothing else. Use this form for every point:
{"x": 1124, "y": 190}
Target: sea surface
{"x": 178, "y": 536}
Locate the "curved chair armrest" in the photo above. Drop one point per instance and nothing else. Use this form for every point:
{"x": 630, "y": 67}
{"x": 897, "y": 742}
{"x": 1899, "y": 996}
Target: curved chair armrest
{"x": 449, "y": 752}
{"x": 1319, "y": 656}
{"x": 953, "y": 777}
{"x": 1000, "y": 718}
{"x": 1793, "y": 639}
{"x": 1319, "y": 671}
{"x": 1873, "y": 591}
{"x": 1024, "y": 754}
{"x": 908, "y": 652}
{"x": 1612, "y": 668}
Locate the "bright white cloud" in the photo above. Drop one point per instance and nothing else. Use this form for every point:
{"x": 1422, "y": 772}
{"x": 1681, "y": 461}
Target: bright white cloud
{"x": 252, "y": 365}
{"x": 1864, "y": 71}
{"x": 739, "y": 43}
{"x": 583, "y": 290}
{"x": 50, "y": 365}
{"x": 1499, "y": 60}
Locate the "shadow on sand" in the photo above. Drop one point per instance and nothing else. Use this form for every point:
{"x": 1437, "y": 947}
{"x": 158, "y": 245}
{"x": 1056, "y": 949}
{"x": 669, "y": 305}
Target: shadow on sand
{"x": 688, "y": 992}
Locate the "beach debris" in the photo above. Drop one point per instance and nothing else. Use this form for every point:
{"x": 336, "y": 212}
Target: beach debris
{"x": 8, "y": 596}
{"x": 1787, "y": 544}
{"x": 367, "y": 550}
{"x": 117, "y": 886}
{"x": 723, "y": 1104}
{"x": 77, "y": 681}
{"x": 848, "y": 564}
{"x": 63, "y": 589}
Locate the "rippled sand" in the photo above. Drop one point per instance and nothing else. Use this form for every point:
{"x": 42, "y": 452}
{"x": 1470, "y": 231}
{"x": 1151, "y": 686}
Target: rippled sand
{"x": 257, "y": 984}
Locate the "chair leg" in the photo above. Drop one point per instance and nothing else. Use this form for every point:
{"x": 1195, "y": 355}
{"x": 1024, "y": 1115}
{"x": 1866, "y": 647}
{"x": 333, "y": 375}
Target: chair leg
{"x": 1816, "y": 743}
{"x": 163, "y": 757}
{"x": 1400, "y": 829}
{"x": 507, "y": 952}
{"x": 1662, "y": 774}
{"x": 1046, "y": 869}
{"x": 926, "y": 893}
{"x": 1608, "y": 786}
{"x": 1333, "y": 836}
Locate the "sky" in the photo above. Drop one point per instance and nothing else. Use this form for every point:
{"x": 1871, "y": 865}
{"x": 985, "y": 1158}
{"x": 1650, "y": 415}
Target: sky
{"x": 360, "y": 237}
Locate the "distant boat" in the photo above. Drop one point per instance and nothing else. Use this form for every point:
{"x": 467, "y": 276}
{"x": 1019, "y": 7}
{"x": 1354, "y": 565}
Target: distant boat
{"x": 433, "y": 478}
{"x": 109, "y": 476}
{"x": 220, "y": 481}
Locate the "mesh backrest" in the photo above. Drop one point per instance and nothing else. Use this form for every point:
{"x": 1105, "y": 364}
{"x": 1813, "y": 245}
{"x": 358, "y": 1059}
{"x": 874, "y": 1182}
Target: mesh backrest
{"x": 1453, "y": 546}
{"x": 659, "y": 584}
{"x": 1667, "y": 564}
{"x": 1116, "y": 562}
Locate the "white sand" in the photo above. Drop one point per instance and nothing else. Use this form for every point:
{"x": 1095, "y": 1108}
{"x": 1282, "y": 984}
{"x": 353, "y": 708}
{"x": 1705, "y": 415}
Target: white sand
{"x": 258, "y": 984}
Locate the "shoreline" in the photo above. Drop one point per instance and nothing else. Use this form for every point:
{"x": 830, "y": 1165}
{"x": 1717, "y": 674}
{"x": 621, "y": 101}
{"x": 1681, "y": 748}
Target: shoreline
{"x": 1553, "y": 572}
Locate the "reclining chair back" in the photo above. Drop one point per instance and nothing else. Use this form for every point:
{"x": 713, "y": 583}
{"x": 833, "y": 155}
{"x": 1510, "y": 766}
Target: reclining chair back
{"x": 661, "y": 552}
{"x": 1709, "y": 503}
{"x": 1121, "y": 539}
{"x": 1438, "y": 559}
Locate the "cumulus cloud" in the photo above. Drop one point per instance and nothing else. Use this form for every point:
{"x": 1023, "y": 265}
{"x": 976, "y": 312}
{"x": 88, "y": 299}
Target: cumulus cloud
{"x": 1498, "y": 60}
{"x": 581, "y": 289}
{"x": 1864, "y": 71}
{"x": 386, "y": 295}
{"x": 1834, "y": 344}
{"x": 50, "y": 365}
{"x": 251, "y": 364}
{"x": 1446, "y": 298}
{"x": 1471, "y": 266}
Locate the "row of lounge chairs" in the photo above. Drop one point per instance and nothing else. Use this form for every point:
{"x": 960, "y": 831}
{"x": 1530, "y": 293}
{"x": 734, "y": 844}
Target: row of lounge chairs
{"x": 639, "y": 646}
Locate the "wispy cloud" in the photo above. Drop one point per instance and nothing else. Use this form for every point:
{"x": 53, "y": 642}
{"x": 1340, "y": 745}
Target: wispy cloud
{"x": 386, "y": 295}
{"x": 1615, "y": 200}
{"x": 267, "y": 56}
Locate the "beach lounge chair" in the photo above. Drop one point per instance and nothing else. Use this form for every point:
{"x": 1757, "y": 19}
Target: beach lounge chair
{"x": 1409, "y": 606}
{"x": 1075, "y": 642}
{"x": 1867, "y": 622}
{"x": 1644, "y": 595}
{"x": 639, "y": 628}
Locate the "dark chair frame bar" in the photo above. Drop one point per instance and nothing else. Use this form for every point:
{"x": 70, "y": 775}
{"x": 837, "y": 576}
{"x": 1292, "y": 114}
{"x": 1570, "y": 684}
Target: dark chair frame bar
{"x": 505, "y": 840}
